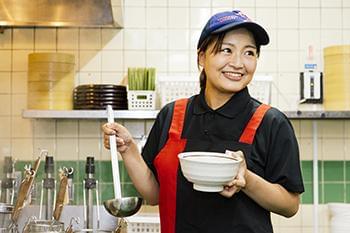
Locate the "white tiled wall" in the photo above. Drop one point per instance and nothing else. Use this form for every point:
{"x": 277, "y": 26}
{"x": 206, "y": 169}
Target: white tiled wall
{"x": 332, "y": 139}
{"x": 302, "y": 222}
{"x": 163, "y": 34}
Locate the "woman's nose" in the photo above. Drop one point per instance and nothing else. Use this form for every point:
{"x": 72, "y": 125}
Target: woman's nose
{"x": 235, "y": 60}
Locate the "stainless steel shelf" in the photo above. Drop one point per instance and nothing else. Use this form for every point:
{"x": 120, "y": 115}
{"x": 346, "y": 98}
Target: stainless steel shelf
{"x": 88, "y": 114}
{"x": 152, "y": 114}
{"x": 318, "y": 115}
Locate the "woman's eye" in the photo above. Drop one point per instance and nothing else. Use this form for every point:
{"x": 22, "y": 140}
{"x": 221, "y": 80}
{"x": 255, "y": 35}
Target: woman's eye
{"x": 226, "y": 50}
{"x": 250, "y": 53}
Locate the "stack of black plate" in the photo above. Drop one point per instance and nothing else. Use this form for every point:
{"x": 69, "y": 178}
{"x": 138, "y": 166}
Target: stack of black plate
{"x": 98, "y": 96}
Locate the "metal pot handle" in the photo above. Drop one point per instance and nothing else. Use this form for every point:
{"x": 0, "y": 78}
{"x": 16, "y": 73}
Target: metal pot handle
{"x": 13, "y": 227}
{"x": 122, "y": 224}
{"x": 26, "y": 226}
{"x": 70, "y": 227}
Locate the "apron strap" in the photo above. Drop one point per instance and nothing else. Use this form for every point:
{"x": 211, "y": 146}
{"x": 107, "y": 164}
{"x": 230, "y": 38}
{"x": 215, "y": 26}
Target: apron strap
{"x": 178, "y": 118}
{"x": 253, "y": 124}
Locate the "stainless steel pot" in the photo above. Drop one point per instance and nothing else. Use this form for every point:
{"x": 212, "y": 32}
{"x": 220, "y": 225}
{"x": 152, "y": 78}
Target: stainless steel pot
{"x": 5, "y": 216}
{"x": 6, "y": 208}
{"x": 94, "y": 231}
{"x": 43, "y": 226}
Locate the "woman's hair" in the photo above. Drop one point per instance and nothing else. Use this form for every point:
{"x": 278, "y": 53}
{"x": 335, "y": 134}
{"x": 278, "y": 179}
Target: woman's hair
{"x": 218, "y": 40}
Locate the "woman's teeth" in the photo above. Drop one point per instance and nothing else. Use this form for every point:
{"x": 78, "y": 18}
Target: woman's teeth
{"x": 232, "y": 74}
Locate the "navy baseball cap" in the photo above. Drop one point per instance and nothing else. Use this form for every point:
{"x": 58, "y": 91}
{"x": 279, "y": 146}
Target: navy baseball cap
{"x": 228, "y": 20}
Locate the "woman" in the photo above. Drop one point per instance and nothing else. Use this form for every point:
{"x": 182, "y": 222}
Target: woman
{"x": 222, "y": 117}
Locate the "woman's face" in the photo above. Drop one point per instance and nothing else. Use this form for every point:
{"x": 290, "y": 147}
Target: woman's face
{"x": 232, "y": 68}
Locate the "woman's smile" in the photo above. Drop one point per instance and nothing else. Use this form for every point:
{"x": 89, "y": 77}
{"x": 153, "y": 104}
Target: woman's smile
{"x": 234, "y": 76}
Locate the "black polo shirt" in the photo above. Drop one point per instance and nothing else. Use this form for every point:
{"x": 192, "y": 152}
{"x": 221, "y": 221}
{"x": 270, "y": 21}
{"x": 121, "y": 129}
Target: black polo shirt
{"x": 274, "y": 155}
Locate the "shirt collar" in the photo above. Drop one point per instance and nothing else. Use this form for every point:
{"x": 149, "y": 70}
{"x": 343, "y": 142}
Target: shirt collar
{"x": 235, "y": 105}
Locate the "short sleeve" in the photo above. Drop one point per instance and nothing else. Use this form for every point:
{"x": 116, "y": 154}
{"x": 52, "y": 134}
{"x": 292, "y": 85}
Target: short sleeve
{"x": 282, "y": 152}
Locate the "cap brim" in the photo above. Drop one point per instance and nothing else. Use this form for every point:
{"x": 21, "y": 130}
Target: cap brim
{"x": 260, "y": 34}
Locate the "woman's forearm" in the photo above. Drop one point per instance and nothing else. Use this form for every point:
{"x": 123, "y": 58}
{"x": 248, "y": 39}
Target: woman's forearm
{"x": 272, "y": 197}
{"x": 141, "y": 175}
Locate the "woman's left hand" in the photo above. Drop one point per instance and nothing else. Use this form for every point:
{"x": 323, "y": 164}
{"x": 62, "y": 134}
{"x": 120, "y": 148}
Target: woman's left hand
{"x": 239, "y": 181}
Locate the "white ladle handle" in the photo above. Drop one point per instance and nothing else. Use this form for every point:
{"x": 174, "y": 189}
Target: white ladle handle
{"x": 114, "y": 156}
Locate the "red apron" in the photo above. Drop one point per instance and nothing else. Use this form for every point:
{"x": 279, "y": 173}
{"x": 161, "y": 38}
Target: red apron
{"x": 167, "y": 162}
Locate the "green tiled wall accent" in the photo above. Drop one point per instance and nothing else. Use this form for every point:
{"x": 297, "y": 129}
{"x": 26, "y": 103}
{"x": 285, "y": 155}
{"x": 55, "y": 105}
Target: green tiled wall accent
{"x": 333, "y": 171}
{"x": 307, "y": 195}
{"x": 334, "y": 192}
{"x": 307, "y": 171}
{"x": 347, "y": 170}
{"x": 334, "y": 180}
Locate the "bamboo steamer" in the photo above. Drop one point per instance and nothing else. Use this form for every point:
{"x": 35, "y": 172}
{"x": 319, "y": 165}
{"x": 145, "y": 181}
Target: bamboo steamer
{"x": 39, "y": 86}
{"x": 52, "y": 57}
{"x": 50, "y": 100}
{"x": 52, "y": 105}
{"x": 50, "y": 76}
{"x": 51, "y": 66}
{"x": 337, "y": 78}
{"x": 51, "y": 81}
{"x": 50, "y": 95}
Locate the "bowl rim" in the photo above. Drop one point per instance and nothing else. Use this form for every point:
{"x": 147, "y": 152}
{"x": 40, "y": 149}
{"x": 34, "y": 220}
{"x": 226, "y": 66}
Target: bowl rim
{"x": 184, "y": 155}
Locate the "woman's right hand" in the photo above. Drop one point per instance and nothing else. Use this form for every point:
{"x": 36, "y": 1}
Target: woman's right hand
{"x": 124, "y": 139}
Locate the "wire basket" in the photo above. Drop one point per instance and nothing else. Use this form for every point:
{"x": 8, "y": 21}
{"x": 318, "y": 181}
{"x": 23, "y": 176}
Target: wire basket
{"x": 141, "y": 100}
{"x": 260, "y": 88}
{"x": 171, "y": 88}
{"x": 145, "y": 223}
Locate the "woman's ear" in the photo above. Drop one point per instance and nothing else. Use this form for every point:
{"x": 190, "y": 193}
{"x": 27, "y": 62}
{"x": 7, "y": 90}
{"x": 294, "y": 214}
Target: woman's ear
{"x": 201, "y": 58}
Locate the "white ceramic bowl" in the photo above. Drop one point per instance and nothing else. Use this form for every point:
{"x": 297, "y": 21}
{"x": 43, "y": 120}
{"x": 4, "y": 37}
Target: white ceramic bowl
{"x": 208, "y": 171}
